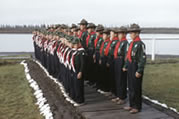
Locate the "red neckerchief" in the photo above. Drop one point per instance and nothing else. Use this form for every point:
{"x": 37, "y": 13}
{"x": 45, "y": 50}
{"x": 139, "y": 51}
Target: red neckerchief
{"x": 108, "y": 46}
{"x": 58, "y": 50}
{"x": 96, "y": 40}
{"x": 117, "y": 47}
{"x": 130, "y": 48}
{"x": 81, "y": 32}
{"x": 76, "y": 34}
{"x": 55, "y": 44}
{"x": 101, "y": 49}
{"x": 43, "y": 41}
{"x": 87, "y": 39}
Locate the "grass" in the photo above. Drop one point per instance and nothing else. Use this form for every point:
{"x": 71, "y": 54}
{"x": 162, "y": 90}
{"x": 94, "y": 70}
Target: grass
{"x": 18, "y": 55}
{"x": 162, "y": 60}
{"x": 16, "y": 98}
{"x": 161, "y": 82}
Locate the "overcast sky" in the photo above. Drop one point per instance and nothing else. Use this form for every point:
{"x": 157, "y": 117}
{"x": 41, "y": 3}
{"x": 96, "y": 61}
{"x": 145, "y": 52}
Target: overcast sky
{"x": 152, "y": 13}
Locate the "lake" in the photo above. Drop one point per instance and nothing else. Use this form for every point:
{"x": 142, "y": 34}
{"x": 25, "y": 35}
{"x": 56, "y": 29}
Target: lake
{"x": 23, "y": 43}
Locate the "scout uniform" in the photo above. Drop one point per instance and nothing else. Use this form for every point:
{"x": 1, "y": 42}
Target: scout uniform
{"x": 97, "y": 44}
{"x": 78, "y": 66}
{"x": 136, "y": 59}
{"x": 120, "y": 51}
{"x": 110, "y": 56}
{"x": 103, "y": 58}
{"x": 83, "y": 33}
{"x": 90, "y": 50}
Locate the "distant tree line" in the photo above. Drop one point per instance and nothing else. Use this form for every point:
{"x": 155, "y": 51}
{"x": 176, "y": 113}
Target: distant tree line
{"x": 30, "y": 28}
{"x": 20, "y": 28}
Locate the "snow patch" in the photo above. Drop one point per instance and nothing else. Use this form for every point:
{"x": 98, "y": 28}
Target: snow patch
{"x": 41, "y": 100}
{"x": 160, "y": 104}
{"x": 67, "y": 98}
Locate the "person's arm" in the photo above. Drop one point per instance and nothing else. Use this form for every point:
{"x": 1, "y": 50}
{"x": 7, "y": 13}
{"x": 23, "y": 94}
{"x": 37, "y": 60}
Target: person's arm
{"x": 141, "y": 58}
{"x": 125, "y": 57}
{"x": 82, "y": 61}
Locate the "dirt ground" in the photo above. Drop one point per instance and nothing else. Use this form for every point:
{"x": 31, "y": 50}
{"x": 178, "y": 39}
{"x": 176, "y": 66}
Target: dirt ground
{"x": 61, "y": 109}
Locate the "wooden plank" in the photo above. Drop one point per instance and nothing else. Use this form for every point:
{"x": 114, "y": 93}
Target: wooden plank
{"x": 100, "y": 107}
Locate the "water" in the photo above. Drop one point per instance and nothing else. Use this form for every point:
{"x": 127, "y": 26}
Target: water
{"x": 16, "y": 43}
{"x": 23, "y": 43}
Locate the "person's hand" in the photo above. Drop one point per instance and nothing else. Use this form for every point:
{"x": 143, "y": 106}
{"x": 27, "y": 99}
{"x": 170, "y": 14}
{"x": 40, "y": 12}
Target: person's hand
{"x": 100, "y": 61}
{"x": 124, "y": 69}
{"x": 94, "y": 58}
{"x": 107, "y": 64}
{"x": 79, "y": 75}
{"x": 138, "y": 75}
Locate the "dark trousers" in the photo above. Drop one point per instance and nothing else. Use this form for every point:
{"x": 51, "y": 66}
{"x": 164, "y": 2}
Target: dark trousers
{"x": 90, "y": 66}
{"x": 79, "y": 89}
{"x": 111, "y": 75}
{"x": 97, "y": 72}
{"x": 72, "y": 85}
{"x": 135, "y": 87}
{"x": 120, "y": 78}
{"x": 105, "y": 80}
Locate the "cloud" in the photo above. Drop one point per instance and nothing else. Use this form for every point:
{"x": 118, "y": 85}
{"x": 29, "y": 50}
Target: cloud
{"x": 112, "y": 12}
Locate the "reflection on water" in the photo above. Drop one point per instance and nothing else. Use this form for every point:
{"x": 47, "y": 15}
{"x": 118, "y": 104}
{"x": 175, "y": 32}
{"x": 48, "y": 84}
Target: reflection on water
{"x": 23, "y": 43}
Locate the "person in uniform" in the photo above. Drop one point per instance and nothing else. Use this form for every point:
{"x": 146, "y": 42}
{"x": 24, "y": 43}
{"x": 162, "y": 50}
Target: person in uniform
{"x": 110, "y": 58}
{"x": 78, "y": 68}
{"x": 89, "y": 52}
{"x": 135, "y": 62}
{"x": 120, "y": 51}
{"x": 105, "y": 81}
{"x": 82, "y": 36}
{"x": 83, "y": 32}
{"x": 73, "y": 27}
{"x": 96, "y": 56}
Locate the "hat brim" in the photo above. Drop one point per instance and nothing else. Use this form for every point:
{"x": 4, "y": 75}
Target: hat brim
{"x": 91, "y": 27}
{"x": 82, "y": 23}
{"x": 134, "y": 30}
{"x": 120, "y": 31}
{"x": 100, "y": 30}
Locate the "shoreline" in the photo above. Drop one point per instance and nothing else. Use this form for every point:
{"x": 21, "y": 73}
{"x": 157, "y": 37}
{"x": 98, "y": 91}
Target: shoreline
{"x": 145, "y": 30}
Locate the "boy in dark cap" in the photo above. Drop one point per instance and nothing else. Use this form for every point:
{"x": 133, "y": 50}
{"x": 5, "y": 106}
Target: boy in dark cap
{"x": 105, "y": 81}
{"x": 110, "y": 57}
{"x": 96, "y": 56}
{"x": 136, "y": 59}
{"x": 119, "y": 60}
{"x": 78, "y": 68}
{"x": 73, "y": 27}
{"x": 90, "y": 50}
{"x": 83, "y": 32}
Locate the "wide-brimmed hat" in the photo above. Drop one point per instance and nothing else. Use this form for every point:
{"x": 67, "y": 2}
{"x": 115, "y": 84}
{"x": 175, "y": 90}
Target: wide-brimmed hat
{"x": 63, "y": 26}
{"x": 73, "y": 26}
{"x": 122, "y": 29}
{"x": 134, "y": 28}
{"x": 91, "y": 25}
{"x": 99, "y": 28}
{"x": 83, "y": 22}
{"x": 115, "y": 29}
{"x": 106, "y": 31}
{"x": 77, "y": 29}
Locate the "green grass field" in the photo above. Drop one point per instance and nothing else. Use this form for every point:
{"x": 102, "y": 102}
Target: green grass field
{"x": 161, "y": 82}
{"x": 16, "y": 98}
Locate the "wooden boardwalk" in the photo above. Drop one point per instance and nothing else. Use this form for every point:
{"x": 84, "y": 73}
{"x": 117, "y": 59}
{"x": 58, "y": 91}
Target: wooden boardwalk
{"x": 100, "y": 107}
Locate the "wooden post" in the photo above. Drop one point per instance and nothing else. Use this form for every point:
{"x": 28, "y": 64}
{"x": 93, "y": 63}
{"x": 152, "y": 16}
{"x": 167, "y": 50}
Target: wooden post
{"x": 153, "y": 49}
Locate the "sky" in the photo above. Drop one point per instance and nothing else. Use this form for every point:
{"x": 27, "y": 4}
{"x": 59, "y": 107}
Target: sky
{"x": 146, "y": 13}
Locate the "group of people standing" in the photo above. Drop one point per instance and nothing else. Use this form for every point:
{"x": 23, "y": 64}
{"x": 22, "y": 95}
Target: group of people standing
{"x": 102, "y": 56}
